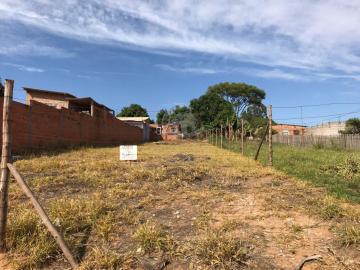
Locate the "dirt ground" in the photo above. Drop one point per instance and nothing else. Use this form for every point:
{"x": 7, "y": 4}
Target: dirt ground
{"x": 185, "y": 205}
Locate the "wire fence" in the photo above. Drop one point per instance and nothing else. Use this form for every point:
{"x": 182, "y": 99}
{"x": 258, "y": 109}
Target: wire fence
{"x": 343, "y": 141}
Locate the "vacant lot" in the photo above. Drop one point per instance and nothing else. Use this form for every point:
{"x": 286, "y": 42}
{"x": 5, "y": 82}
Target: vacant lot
{"x": 182, "y": 206}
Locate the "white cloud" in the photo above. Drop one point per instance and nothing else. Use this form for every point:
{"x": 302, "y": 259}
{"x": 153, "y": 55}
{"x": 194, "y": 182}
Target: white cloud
{"x": 199, "y": 70}
{"x": 315, "y": 36}
{"x": 25, "y": 68}
{"x": 278, "y": 74}
{"x": 255, "y": 72}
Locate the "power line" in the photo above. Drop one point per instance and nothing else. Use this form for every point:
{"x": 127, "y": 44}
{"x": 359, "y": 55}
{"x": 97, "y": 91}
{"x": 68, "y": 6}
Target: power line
{"x": 316, "y": 105}
{"x": 314, "y": 117}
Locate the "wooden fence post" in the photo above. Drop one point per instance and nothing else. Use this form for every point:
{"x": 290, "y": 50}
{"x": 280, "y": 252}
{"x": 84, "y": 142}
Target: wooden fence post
{"x": 45, "y": 219}
{"x": 270, "y": 137}
{"x": 5, "y": 158}
{"x": 242, "y": 136}
{"x": 216, "y": 138}
{"x": 221, "y": 136}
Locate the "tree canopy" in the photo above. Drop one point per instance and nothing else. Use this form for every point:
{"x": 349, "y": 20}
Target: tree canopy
{"x": 210, "y": 110}
{"x": 352, "y": 126}
{"x": 134, "y": 110}
{"x": 2, "y": 88}
{"x": 162, "y": 117}
{"x": 255, "y": 118}
{"x": 239, "y": 95}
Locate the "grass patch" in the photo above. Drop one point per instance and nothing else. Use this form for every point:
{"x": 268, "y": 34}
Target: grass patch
{"x": 152, "y": 238}
{"x": 220, "y": 250}
{"x": 336, "y": 170}
{"x": 349, "y": 234}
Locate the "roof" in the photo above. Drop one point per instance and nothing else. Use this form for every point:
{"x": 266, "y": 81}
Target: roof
{"x": 134, "y": 119}
{"x": 29, "y": 89}
{"x": 86, "y": 101}
{"x": 290, "y": 125}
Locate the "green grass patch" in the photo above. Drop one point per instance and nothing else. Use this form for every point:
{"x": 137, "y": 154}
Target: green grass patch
{"x": 336, "y": 170}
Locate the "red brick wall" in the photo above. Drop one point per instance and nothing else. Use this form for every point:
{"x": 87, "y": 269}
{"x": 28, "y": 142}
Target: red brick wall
{"x": 40, "y": 126}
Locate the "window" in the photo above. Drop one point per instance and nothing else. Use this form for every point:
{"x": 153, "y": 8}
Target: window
{"x": 158, "y": 130}
{"x": 173, "y": 130}
{"x": 285, "y": 132}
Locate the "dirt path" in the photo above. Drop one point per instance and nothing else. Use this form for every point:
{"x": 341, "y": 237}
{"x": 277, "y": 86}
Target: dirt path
{"x": 182, "y": 206}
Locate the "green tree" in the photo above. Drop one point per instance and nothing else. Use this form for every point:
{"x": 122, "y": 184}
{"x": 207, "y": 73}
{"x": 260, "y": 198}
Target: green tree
{"x": 211, "y": 110}
{"x": 255, "y": 118}
{"x": 162, "y": 117}
{"x": 2, "y": 88}
{"x": 179, "y": 113}
{"x": 239, "y": 95}
{"x": 352, "y": 126}
{"x": 134, "y": 110}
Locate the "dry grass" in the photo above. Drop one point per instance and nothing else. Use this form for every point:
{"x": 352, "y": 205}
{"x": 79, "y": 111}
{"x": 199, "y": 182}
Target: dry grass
{"x": 183, "y": 203}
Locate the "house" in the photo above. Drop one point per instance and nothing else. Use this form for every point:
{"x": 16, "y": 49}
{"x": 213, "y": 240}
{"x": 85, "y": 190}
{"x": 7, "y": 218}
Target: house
{"x": 171, "y": 132}
{"x": 140, "y": 122}
{"x": 289, "y": 129}
{"x": 65, "y": 100}
{"x": 327, "y": 129}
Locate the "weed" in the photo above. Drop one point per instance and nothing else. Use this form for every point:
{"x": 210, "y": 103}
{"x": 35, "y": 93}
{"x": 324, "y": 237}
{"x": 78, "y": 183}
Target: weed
{"x": 217, "y": 249}
{"x": 348, "y": 234}
{"x": 330, "y": 208}
{"x": 296, "y": 228}
{"x": 102, "y": 259}
{"x": 152, "y": 238}
{"x": 105, "y": 225}
{"x": 202, "y": 221}
{"x": 318, "y": 145}
{"x": 25, "y": 230}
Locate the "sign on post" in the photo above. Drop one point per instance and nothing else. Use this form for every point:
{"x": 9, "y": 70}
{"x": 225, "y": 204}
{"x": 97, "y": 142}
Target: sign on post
{"x": 128, "y": 152}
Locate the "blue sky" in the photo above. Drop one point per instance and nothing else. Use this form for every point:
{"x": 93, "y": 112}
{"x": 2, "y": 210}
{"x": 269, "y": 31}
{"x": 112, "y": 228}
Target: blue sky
{"x": 164, "y": 53}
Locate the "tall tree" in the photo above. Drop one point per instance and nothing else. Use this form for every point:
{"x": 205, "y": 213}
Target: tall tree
{"x": 352, "y": 126}
{"x": 211, "y": 110}
{"x": 163, "y": 117}
{"x": 239, "y": 95}
{"x": 179, "y": 113}
{"x": 134, "y": 110}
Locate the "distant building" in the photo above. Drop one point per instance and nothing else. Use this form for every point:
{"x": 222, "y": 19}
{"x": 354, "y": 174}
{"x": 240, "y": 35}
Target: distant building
{"x": 288, "y": 129}
{"x": 169, "y": 132}
{"x": 65, "y": 100}
{"x": 140, "y": 122}
{"x": 327, "y": 129}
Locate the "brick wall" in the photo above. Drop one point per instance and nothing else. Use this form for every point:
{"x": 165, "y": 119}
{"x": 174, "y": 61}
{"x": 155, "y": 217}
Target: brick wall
{"x": 40, "y": 126}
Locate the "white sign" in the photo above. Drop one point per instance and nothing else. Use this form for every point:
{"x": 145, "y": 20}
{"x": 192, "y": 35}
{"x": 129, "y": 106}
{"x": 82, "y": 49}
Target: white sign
{"x": 128, "y": 152}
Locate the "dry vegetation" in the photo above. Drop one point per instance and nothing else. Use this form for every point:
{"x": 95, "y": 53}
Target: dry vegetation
{"x": 182, "y": 206}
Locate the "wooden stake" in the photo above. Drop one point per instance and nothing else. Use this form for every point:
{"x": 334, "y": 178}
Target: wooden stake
{"x": 5, "y": 158}
{"x": 216, "y": 139}
{"x": 43, "y": 216}
{"x": 221, "y": 136}
{"x": 242, "y": 136}
{"x": 270, "y": 137}
{"x": 261, "y": 142}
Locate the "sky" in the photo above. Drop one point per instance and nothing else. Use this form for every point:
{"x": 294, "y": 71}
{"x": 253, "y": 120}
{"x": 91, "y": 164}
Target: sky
{"x": 164, "y": 53}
